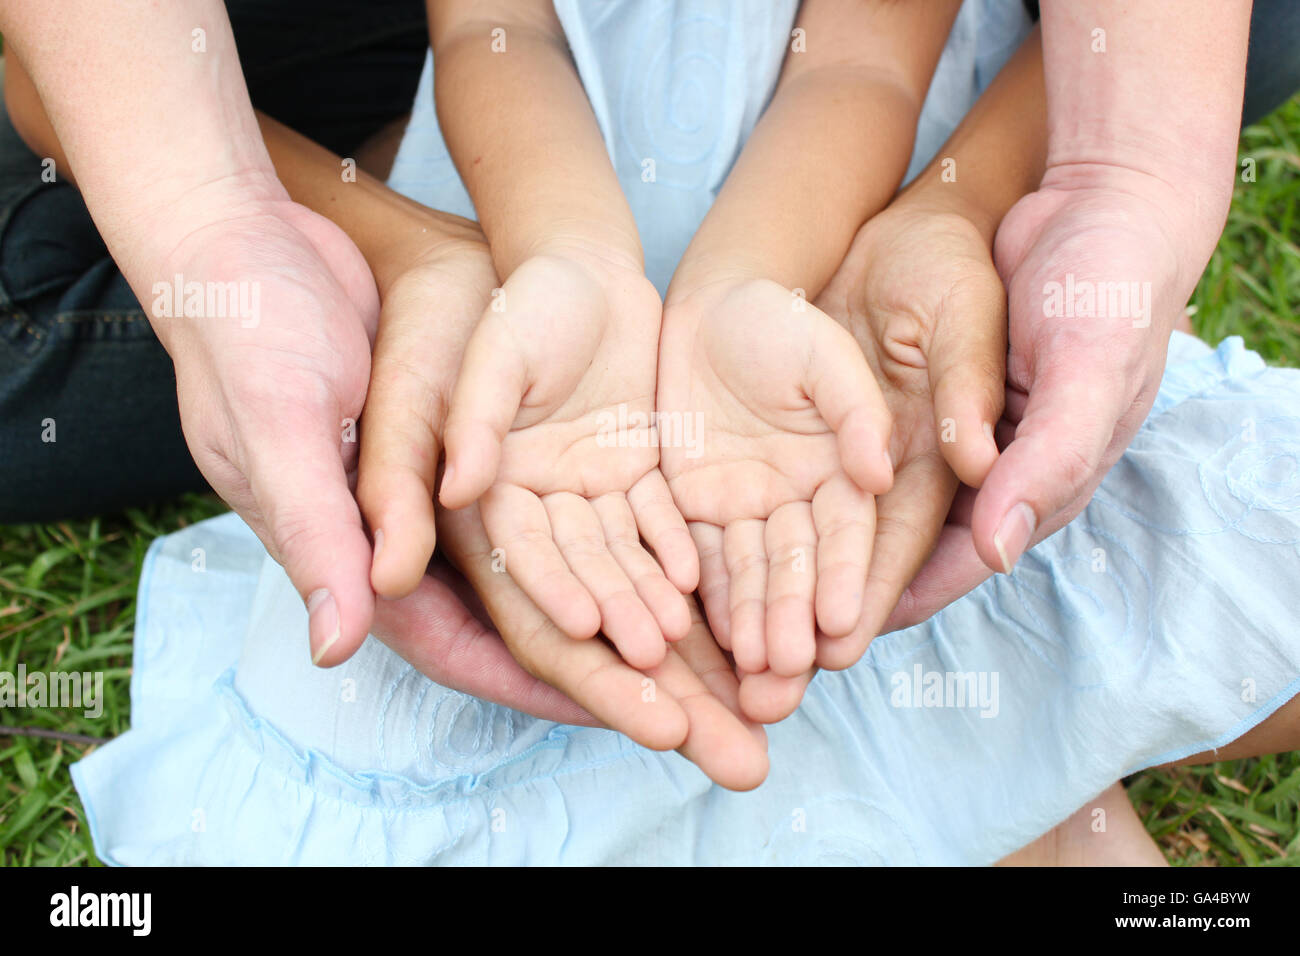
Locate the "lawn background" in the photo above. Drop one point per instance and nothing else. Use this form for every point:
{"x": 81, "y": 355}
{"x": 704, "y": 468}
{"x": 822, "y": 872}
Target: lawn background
{"x": 67, "y": 590}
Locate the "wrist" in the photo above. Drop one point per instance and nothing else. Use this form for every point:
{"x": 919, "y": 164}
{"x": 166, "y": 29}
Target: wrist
{"x": 937, "y": 198}
{"x": 418, "y": 236}
{"x": 697, "y": 276}
{"x": 587, "y": 242}
{"x": 152, "y": 239}
{"x": 690, "y": 303}
{"x": 1191, "y": 219}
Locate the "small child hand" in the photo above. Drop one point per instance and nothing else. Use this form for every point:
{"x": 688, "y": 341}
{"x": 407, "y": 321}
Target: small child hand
{"x": 795, "y": 443}
{"x": 569, "y": 341}
{"x": 429, "y": 311}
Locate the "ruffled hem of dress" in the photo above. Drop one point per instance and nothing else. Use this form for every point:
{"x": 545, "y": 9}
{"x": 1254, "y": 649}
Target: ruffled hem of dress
{"x": 219, "y": 759}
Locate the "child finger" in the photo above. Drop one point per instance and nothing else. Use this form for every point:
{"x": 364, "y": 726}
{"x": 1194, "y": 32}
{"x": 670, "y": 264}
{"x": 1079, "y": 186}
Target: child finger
{"x": 714, "y": 587}
{"x": 588, "y": 672}
{"x": 517, "y": 524}
{"x": 668, "y": 605}
{"x": 790, "y": 539}
{"x": 491, "y": 384}
{"x": 841, "y": 385}
{"x": 908, "y": 521}
{"x": 966, "y": 358}
{"x": 746, "y": 560}
{"x": 730, "y": 750}
{"x": 395, "y": 479}
{"x": 845, "y": 518}
{"x": 769, "y": 698}
{"x": 664, "y": 529}
{"x": 624, "y": 618}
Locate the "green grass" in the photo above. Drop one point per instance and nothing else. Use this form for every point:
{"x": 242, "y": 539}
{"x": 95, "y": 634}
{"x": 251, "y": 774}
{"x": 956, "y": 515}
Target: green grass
{"x": 1251, "y": 286}
{"x": 67, "y": 590}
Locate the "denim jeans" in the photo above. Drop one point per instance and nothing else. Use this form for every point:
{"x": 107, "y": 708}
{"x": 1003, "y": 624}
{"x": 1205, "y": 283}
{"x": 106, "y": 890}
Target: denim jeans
{"x": 79, "y": 362}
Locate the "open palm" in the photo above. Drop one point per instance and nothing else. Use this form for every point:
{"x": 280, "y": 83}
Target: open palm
{"x": 791, "y": 438}
{"x": 923, "y": 302}
{"x": 550, "y": 430}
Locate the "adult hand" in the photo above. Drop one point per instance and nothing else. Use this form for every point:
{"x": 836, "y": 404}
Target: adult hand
{"x": 270, "y": 389}
{"x": 1097, "y": 271}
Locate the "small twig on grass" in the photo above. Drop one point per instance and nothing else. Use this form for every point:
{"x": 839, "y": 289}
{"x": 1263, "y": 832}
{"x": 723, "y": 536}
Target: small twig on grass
{"x": 82, "y": 739}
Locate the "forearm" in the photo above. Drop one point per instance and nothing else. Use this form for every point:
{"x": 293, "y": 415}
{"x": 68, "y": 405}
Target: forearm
{"x": 30, "y": 121}
{"x": 162, "y": 137}
{"x": 384, "y": 224}
{"x": 998, "y": 152}
{"x": 1162, "y": 99}
{"x": 522, "y": 134}
{"x": 811, "y": 173}
{"x": 831, "y": 148}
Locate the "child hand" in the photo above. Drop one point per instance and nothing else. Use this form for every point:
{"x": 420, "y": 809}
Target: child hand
{"x": 919, "y": 293}
{"x": 428, "y": 314}
{"x": 779, "y": 492}
{"x": 566, "y": 349}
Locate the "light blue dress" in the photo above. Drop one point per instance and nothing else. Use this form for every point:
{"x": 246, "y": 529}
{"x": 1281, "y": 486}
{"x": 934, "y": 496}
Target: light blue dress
{"x": 1160, "y": 623}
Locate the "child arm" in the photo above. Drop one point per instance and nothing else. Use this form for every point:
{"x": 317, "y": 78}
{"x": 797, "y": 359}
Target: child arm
{"x": 831, "y": 148}
{"x": 521, "y": 131}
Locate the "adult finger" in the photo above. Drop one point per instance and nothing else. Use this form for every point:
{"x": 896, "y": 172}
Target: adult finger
{"x": 312, "y": 526}
{"x": 433, "y": 630}
{"x": 1059, "y": 448}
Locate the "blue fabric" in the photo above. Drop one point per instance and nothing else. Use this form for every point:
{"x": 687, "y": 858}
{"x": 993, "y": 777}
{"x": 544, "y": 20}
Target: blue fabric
{"x": 1160, "y": 623}
{"x": 678, "y": 85}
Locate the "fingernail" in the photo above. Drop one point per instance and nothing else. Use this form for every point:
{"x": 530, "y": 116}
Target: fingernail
{"x": 1013, "y": 535}
{"x": 322, "y": 622}
{"x": 889, "y": 459}
{"x": 379, "y": 543}
{"x": 988, "y": 430}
